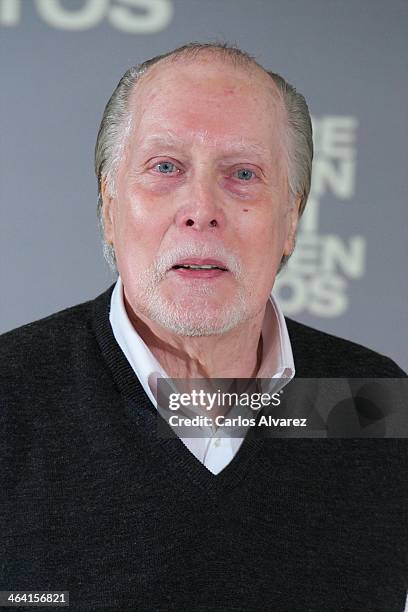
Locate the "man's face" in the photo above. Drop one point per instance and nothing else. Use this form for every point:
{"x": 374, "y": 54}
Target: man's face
{"x": 202, "y": 181}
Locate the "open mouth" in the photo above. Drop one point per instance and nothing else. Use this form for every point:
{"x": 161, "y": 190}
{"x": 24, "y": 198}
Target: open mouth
{"x": 198, "y": 267}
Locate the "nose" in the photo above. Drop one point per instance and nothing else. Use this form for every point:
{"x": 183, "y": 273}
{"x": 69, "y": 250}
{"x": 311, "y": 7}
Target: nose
{"x": 201, "y": 209}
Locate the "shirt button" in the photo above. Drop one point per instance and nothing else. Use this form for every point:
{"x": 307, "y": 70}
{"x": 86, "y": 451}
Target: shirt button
{"x": 217, "y": 442}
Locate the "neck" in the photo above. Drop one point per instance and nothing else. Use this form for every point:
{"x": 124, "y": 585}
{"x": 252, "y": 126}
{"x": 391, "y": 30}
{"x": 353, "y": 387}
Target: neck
{"x": 236, "y": 354}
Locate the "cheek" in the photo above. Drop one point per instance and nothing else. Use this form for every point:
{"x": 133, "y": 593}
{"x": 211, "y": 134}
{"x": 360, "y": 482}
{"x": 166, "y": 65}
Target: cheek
{"x": 263, "y": 232}
{"x": 262, "y": 247}
{"x": 141, "y": 210}
{"x": 138, "y": 230}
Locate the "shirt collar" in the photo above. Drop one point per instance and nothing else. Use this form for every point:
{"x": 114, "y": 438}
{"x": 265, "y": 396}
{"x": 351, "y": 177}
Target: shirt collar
{"x": 277, "y": 357}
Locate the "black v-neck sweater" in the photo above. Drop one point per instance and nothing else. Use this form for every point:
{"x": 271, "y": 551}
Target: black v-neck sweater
{"x": 93, "y": 502}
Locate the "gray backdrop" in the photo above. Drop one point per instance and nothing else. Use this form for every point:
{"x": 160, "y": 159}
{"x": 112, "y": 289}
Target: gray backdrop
{"x": 60, "y": 61}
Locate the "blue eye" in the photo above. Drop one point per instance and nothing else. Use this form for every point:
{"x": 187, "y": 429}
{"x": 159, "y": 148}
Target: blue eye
{"x": 166, "y": 167}
{"x": 244, "y": 174}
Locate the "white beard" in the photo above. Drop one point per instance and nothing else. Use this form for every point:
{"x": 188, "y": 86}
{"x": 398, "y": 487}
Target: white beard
{"x": 202, "y": 318}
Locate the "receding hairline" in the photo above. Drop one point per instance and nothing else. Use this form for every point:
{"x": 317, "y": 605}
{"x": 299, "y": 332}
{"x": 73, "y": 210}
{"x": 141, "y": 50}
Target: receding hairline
{"x": 196, "y": 55}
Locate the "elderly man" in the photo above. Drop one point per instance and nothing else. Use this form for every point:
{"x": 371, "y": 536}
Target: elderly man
{"x": 203, "y": 161}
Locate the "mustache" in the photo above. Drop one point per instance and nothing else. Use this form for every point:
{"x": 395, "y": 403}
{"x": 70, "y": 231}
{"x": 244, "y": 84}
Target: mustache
{"x": 165, "y": 261}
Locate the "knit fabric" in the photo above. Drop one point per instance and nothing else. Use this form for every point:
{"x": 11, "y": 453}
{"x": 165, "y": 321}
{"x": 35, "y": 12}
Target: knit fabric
{"x": 93, "y": 502}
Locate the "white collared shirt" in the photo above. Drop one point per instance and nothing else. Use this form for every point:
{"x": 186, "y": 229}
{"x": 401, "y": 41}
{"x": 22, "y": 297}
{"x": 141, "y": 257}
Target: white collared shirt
{"x": 214, "y": 452}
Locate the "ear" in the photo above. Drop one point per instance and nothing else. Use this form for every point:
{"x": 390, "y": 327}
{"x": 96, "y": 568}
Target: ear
{"x": 293, "y": 219}
{"x": 107, "y": 211}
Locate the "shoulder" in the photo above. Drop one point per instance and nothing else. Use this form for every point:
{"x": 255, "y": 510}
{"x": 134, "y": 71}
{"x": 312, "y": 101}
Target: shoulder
{"x": 42, "y": 349}
{"x": 45, "y": 333}
{"x": 319, "y": 354}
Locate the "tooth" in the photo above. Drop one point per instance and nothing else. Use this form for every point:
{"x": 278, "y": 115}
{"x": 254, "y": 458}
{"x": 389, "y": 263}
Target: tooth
{"x": 196, "y": 267}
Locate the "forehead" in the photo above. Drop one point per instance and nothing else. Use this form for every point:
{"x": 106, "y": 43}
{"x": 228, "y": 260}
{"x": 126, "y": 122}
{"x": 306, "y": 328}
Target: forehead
{"x": 208, "y": 99}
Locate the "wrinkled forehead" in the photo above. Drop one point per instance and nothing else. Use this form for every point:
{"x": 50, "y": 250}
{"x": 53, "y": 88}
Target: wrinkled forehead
{"x": 226, "y": 85}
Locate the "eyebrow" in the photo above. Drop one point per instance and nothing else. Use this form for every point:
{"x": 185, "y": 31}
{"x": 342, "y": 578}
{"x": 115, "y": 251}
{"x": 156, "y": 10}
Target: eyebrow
{"x": 166, "y": 139}
{"x": 238, "y": 147}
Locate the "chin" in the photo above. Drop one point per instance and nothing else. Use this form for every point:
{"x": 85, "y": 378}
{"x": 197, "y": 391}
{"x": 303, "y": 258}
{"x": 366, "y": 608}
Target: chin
{"x": 199, "y": 317}
{"x": 195, "y": 326}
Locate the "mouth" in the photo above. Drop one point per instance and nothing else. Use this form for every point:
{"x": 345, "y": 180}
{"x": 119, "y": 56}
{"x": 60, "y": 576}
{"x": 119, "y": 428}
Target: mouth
{"x": 200, "y": 268}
